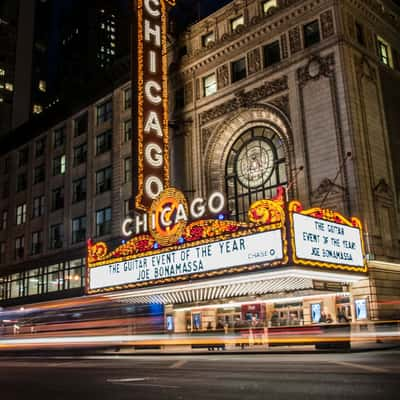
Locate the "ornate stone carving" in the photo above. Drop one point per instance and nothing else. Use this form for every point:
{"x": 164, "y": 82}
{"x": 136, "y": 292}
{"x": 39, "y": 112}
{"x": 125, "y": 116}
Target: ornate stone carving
{"x": 364, "y": 69}
{"x": 254, "y": 61}
{"x": 284, "y": 45}
{"x": 245, "y": 99}
{"x": 222, "y": 76}
{"x": 295, "y": 40}
{"x": 327, "y": 25}
{"x": 326, "y": 186}
{"x": 382, "y": 189}
{"x": 316, "y": 68}
{"x": 282, "y": 103}
{"x": 206, "y": 133}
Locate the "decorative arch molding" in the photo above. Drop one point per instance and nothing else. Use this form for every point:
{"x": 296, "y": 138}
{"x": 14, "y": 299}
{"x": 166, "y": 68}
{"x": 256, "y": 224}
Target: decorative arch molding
{"x": 225, "y": 135}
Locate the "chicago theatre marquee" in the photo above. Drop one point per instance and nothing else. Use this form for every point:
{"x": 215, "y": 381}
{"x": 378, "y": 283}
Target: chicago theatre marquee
{"x": 226, "y": 256}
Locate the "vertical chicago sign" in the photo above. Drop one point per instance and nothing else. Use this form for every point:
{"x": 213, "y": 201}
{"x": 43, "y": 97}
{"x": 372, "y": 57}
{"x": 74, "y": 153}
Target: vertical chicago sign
{"x": 150, "y": 101}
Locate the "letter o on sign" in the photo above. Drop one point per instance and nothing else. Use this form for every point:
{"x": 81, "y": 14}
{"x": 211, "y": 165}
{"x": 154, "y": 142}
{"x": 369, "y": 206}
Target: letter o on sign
{"x": 153, "y": 186}
{"x": 216, "y": 202}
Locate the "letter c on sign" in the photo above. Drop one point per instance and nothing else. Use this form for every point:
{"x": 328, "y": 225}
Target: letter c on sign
{"x": 153, "y": 12}
{"x": 126, "y": 230}
{"x": 148, "y": 89}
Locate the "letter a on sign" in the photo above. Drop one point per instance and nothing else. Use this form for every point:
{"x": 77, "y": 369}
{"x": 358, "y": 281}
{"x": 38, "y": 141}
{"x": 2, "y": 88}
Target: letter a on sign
{"x": 149, "y": 101}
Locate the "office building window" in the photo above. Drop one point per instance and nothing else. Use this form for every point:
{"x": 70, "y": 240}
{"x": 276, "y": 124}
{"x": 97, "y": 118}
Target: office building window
{"x": 59, "y": 137}
{"x": 80, "y": 153}
{"x": 56, "y": 236}
{"x": 103, "y": 180}
{"x": 127, "y": 170}
{"x": 79, "y": 190}
{"x": 38, "y": 207}
{"x": 21, "y": 214}
{"x": 208, "y": 38}
{"x": 6, "y": 189}
{"x": 57, "y": 198}
{"x": 39, "y": 174}
{"x": 235, "y": 22}
{"x": 209, "y": 84}
{"x": 103, "y": 221}
{"x": 37, "y": 109}
{"x": 42, "y": 86}
{"x": 268, "y": 5}
{"x": 4, "y": 220}
{"x": 384, "y": 52}
{"x": 2, "y": 256}
{"x": 40, "y": 145}
{"x": 127, "y": 99}
{"x": 272, "y": 53}
{"x": 104, "y": 142}
{"x": 36, "y": 242}
{"x": 81, "y": 124}
{"x": 127, "y": 130}
{"x": 59, "y": 165}
{"x": 79, "y": 229}
{"x": 22, "y": 157}
{"x": 21, "y": 182}
{"x": 6, "y": 165}
{"x": 238, "y": 70}
{"x": 311, "y": 33}
{"x": 19, "y": 247}
{"x": 104, "y": 112}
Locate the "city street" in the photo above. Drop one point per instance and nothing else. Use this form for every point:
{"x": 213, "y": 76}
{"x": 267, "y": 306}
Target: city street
{"x": 366, "y": 375}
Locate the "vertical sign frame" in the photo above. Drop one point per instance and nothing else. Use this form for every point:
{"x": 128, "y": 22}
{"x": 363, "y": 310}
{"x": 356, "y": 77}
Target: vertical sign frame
{"x": 150, "y": 144}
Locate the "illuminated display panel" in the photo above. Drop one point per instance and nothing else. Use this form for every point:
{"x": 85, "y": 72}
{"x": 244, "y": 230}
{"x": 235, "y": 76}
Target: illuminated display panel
{"x": 262, "y": 247}
{"x": 324, "y": 238}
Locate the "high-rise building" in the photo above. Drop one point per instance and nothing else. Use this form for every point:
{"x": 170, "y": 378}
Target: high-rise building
{"x": 52, "y": 50}
{"x": 8, "y": 36}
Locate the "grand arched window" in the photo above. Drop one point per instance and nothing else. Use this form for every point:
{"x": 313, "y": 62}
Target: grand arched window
{"x": 255, "y": 167}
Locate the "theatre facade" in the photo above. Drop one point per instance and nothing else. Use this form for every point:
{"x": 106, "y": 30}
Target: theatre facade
{"x": 267, "y": 192}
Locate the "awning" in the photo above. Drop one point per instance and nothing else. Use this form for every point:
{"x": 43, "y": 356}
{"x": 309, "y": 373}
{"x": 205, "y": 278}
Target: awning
{"x": 270, "y": 282}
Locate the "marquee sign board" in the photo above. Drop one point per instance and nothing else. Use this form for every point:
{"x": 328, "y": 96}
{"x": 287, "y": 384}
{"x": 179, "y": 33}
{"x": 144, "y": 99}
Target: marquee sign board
{"x": 264, "y": 247}
{"x": 324, "y": 238}
{"x": 206, "y": 248}
{"x": 150, "y": 100}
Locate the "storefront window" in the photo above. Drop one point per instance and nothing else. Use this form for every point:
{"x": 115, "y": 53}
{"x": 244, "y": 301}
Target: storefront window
{"x": 33, "y": 282}
{"x": 53, "y": 278}
{"x": 15, "y": 286}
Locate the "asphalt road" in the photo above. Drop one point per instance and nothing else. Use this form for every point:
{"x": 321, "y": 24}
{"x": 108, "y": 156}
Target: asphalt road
{"x": 368, "y": 375}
